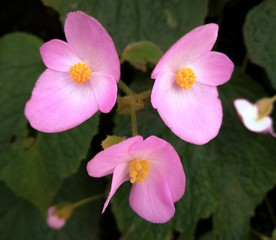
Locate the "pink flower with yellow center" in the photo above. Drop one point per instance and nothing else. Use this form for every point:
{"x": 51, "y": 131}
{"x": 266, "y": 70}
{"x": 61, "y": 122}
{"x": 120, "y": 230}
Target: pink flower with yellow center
{"x": 153, "y": 168}
{"x": 184, "y": 92}
{"x": 80, "y": 79}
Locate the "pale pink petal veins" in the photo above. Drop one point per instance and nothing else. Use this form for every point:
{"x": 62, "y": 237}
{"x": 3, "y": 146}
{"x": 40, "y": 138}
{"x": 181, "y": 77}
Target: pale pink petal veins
{"x": 164, "y": 82}
{"x": 58, "y": 55}
{"x": 58, "y": 103}
{"x": 152, "y": 199}
{"x": 105, "y": 91}
{"x": 163, "y": 158}
{"x": 92, "y": 43}
{"x": 212, "y": 68}
{"x": 194, "y": 115}
{"x": 120, "y": 175}
{"x": 192, "y": 45}
{"x": 106, "y": 161}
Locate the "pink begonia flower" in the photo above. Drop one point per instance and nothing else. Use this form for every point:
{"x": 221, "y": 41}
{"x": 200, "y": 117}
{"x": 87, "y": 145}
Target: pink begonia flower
{"x": 53, "y": 220}
{"x": 250, "y": 118}
{"x": 80, "y": 79}
{"x": 154, "y": 169}
{"x": 184, "y": 91}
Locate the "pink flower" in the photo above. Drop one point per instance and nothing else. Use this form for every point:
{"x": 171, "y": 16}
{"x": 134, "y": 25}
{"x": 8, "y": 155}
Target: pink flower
{"x": 53, "y": 220}
{"x": 154, "y": 169}
{"x": 59, "y": 214}
{"x": 184, "y": 92}
{"x": 80, "y": 79}
{"x": 251, "y": 118}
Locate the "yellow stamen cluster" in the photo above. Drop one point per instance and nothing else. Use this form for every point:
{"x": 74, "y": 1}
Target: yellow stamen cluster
{"x": 185, "y": 78}
{"x": 138, "y": 170}
{"x": 80, "y": 72}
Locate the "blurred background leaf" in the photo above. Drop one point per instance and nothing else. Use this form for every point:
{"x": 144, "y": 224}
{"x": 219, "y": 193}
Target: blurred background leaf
{"x": 260, "y": 37}
{"x": 19, "y": 220}
{"x": 161, "y": 22}
{"x": 140, "y": 54}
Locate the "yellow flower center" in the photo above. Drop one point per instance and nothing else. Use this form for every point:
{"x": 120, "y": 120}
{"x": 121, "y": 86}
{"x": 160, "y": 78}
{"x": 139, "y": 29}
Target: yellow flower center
{"x": 138, "y": 170}
{"x": 185, "y": 78}
{"x": 80, "y": 72}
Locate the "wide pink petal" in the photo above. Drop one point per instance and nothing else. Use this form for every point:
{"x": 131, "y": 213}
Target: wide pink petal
{"x": 194, "y": 115}
{"x": 107, "y": 160}
{"x": 58, "y": 103}
{"x": 58, "y": 55}
{"x": 212, "y": 68}
{"x": 164, "y": 159}
{"x": 120, "y": 175}
{"x": 105, "y": 91}
{"x": 92, "y": 43}
{"x": 188, "y": 48}
{"x": 152, "y": 198}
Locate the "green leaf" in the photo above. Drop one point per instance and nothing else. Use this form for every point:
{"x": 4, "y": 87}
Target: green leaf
{"x": 141, "y": 53}
{"x": 226, "y": 178}
{"x": 274, "y": 234}
{"x": 161, "y": 22}
{"x": 33, "y": 165}
{"x": 260, "y": 37}
{"x": 20, "y": 65}
{"x": 19, "y": 220}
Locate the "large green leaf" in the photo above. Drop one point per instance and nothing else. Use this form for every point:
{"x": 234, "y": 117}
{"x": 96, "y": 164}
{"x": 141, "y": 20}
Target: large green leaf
{"x": 161, "y": 22}
{"x": 19, "y": 220}
{"x": 20, "y": 65}
{"x": 33, "y": 165}
{"x": 260, "y": 37}
{"x": 226, "y": 178}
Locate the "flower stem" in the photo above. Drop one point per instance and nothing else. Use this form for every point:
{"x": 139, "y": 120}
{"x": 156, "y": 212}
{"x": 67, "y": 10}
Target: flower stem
{"x": 144, "y": 95}
{"x": 125, "y": 88}
{"x": 87, "y": 200}
{"x": 133, "y": 120}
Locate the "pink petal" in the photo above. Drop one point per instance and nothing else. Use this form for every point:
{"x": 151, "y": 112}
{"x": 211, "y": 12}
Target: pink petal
{"x": 107, "y": 160}
{"x": 152, "y": 198}
{"x": 262, "y": 125}
{"x": 58, "y": 55}
{"x": 105, "y": 91}
{"x": 192, "y": 45}
{"x": 164, "y": 82}
{"x": 58, "y": 103}
{"x": 246, "y": 109}
{"x": 54, "y": 221}
{"x": 249, "y": 116}
{"x": 212, "y": 68}
{"x": 165, "y": 160}
{"x": 120, "y": 175}
{"x": 194, "y": 115}
{"x": 92, "y": 43}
